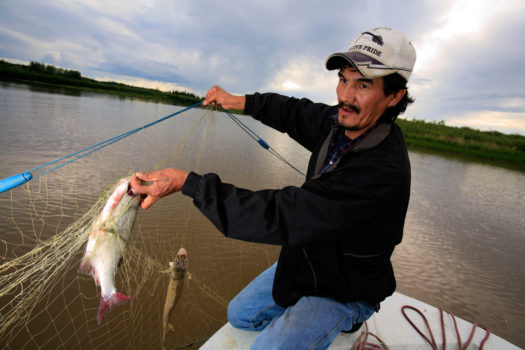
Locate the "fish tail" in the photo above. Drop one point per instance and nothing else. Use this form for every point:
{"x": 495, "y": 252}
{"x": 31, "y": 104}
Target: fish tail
{"x": 115, "y": 299}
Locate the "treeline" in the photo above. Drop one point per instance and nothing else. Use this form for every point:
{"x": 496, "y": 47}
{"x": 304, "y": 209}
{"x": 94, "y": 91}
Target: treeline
{"x": 491, "y": 146}
{"x": 47, "y": 74}
{"x": 52, "y": 70}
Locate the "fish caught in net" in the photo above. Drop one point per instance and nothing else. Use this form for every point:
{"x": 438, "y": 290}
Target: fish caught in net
{"x": 45, "y": 227}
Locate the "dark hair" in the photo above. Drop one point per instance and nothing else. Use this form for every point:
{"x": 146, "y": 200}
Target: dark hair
{"x": 393, "y": 83}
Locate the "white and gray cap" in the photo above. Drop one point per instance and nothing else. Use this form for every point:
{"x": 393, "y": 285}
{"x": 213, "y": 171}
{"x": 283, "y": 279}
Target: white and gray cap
{"x": 376, "y": 53}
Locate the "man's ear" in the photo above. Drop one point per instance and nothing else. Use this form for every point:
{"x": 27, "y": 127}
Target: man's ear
{"x": 396, "y": 97}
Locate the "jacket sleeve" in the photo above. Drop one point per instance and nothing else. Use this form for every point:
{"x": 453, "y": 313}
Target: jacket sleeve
{"x": 301, "y": 119}
{"x": 358, "y": 201}
{"x": 319, "y": 210}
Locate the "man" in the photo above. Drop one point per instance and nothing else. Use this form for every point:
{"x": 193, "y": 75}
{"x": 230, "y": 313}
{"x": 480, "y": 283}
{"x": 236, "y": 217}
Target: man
{"x": 339, "y": 229}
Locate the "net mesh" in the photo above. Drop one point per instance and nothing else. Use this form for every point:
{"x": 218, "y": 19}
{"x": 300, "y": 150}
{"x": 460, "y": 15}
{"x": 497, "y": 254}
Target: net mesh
{"x": 44, "y": 226}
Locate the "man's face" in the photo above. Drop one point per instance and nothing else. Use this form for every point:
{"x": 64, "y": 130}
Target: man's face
{"x": 364, "y": 101}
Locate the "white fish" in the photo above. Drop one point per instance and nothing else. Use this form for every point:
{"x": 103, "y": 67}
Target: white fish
{"x": 107, "y": 240}
{"x": 178, "y": 271}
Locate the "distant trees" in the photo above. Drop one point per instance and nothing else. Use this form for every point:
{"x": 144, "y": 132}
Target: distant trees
{"x": 491, "y": 145}
{"x": 49, "y": 69}
{"x": 184, "y": 93}
{"x": 44, "y": 73}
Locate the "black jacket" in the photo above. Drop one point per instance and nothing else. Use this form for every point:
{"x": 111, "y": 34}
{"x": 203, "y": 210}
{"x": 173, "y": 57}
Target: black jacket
{"x": 338, "y": 230}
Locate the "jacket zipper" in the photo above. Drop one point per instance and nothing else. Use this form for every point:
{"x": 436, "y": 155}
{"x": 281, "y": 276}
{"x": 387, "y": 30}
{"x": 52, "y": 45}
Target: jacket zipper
{"x": 311, "y": 268}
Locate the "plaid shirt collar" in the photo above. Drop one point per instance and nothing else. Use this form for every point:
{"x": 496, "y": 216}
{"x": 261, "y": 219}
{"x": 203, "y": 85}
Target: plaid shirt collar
{"x": 340, "y": 144}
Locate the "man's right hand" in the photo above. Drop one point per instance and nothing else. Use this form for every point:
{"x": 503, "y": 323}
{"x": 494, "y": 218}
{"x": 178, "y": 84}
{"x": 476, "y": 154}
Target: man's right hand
{"x": 158, "y": 184}
{"x": 219, "y": 96}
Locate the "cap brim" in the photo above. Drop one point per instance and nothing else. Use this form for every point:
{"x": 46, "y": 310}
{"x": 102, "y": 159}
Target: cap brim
{"x": 338, "y": 60}
{"x": 368, "y": 66}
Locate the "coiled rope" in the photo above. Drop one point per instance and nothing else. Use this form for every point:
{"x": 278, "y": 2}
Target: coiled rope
{"x": 432, "y": 341}
{"x": 362, "y": 342}
{"x": 19, "y": 179}
{"x": 259, "y": 140}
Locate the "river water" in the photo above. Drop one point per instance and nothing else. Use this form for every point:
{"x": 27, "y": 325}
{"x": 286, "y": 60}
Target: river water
{"x": 464, "y": 238}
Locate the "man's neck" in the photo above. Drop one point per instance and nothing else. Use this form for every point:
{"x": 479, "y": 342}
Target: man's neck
{"x": 353, "y": 134}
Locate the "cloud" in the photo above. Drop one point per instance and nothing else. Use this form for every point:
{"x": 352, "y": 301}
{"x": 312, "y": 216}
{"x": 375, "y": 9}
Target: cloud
{"x": 145, "y": 83}
{"x": 469, "y": 65}
{"x": 469, "y": 57}
{"x": 470, "y": 38}
{"x": 304, "y": 76}
{"x": 460, "y": 21}
{"x": 502, "y": 121}
{"x": 65, "y": 53}
{"x": 116, "y": 29}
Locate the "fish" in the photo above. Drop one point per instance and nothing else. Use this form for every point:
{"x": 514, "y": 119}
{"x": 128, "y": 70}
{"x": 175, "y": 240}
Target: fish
{"x": 108, "y": 235}
{"x": 178, "y": 271}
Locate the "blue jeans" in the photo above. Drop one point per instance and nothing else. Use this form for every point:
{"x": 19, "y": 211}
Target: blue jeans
{"x": 312, "y": 323}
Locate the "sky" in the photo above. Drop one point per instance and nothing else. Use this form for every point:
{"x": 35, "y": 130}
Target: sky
{"x": 470, "y": 54}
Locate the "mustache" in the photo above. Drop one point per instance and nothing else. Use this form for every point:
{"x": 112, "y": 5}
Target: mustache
{"x": 349, "y": 106}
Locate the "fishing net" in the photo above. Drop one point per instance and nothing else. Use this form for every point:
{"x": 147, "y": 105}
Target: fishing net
{"x": 44, "y": 226}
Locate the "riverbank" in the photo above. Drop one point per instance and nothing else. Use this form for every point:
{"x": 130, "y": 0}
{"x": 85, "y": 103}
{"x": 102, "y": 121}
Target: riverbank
{"x": 459, "y": 142}
{"x": 491, "y": 147}
{"x": 49, "y": 75}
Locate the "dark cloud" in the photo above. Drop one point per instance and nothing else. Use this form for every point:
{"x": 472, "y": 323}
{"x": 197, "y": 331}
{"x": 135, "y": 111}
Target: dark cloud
{"x": 247, "y": 46}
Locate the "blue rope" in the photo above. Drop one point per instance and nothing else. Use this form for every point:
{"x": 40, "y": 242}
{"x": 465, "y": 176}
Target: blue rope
{"x": 11, "y": 182}
{"x": 259, "y": 140}
{"x": 19, "y": 179}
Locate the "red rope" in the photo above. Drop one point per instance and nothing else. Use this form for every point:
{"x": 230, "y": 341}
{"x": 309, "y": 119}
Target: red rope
{"x": 432, "y": 341}
{"x": 362, "y": 342}
{"x": 443, "y": 330}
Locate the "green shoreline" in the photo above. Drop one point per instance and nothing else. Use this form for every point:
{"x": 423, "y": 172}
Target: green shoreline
{"x": 491, "y": 147}
{"x": 42, "y": 74}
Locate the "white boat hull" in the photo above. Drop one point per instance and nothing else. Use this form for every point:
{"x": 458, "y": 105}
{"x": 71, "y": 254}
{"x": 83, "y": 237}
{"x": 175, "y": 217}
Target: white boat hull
{"x": 389, "y": 324}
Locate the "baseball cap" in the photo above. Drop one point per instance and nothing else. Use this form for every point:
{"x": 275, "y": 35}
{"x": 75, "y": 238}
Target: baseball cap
{"x": 376, "y": 53}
